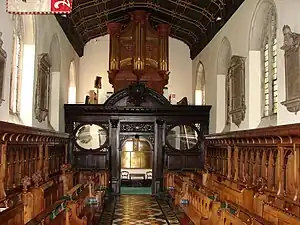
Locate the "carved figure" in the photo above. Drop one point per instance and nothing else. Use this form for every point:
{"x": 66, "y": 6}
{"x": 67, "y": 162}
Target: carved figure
{"x": 291, "y": 40}
{"x": 26, "y": 182}
{"x": 292, "y": 71}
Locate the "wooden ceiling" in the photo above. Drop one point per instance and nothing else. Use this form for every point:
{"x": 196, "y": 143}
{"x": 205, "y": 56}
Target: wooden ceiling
{"x": 195, "y": 22}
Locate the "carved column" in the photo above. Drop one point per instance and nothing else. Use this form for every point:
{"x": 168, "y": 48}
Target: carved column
{"x": 158, "y": 157}
{"x": 3, "y": 148}
{"x": 236, "y": 163}
{"x": 114, "y": 155}
{"x": 229, "y": 161}
{"x": 69, "y": 129}
{"x": 46, "y": 163}
{"x": 280, "y": 170}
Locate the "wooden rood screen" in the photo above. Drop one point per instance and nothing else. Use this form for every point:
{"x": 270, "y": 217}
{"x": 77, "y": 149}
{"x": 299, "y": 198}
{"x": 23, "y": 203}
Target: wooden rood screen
{"x": 25, "y": 151}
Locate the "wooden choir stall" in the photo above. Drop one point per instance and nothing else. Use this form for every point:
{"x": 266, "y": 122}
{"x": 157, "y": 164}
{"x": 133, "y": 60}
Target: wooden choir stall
{"x": 38, "y": 186}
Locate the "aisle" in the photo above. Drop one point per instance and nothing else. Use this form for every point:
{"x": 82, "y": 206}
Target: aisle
{"x": 141, "y": 209}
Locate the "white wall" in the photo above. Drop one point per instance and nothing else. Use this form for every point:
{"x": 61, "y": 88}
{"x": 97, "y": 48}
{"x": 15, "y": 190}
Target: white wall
{"x": 238, "y": 30}
{"x": 46, "y": 27}
{"x": 95, "y": 63}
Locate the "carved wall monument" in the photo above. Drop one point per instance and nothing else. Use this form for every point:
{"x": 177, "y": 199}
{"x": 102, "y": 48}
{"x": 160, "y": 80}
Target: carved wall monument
{"x": 138, "y": 53}
{"x": 3, "y": 56}
{"x": 235, "y": 88}
{"x": 292, "y": 69}
{"x": 42, "y": 88}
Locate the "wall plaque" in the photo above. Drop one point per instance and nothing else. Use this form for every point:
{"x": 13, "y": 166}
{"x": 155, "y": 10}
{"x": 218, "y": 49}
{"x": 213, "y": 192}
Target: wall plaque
{"x": 42, "y": 93}
{"x": 236, "y": 76}
{"x": 292, "y": 69}
{"x": 3, "y": 56}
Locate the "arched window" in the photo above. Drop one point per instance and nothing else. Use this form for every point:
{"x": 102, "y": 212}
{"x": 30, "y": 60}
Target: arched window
{"x": 16, "y": 69}
{"x": 72, "y": 84}
{"x": 200, "y": 85}
{"x": 269, "y": 56}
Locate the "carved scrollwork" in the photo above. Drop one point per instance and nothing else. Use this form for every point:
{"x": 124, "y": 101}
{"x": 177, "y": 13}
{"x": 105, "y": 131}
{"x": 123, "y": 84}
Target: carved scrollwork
{"x": 3, "y": 57}
{"x": 137, "y": 127}
{"x": 236, "y": 88}
{"x": 42, "y": 93}
{"x": 292, "y": 71}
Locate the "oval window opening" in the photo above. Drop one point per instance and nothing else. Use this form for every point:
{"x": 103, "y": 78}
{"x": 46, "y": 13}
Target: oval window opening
{"x": 91, "y": 136}
{"x": 182, "y": 137}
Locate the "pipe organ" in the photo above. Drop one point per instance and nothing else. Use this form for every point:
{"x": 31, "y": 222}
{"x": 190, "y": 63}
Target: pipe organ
{"x": 138, "y": 53}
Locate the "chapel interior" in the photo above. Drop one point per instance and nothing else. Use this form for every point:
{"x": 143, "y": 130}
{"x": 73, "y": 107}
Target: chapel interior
{"x": 176, "y": 112}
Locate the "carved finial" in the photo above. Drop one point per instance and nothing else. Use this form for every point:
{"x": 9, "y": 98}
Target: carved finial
{"x": 90, "y": 179}
{"x": 37, "y": 178}
{"x": 65, "y": 167}
{"x": 261, "y": 184}
{"x": 26, "y": 182}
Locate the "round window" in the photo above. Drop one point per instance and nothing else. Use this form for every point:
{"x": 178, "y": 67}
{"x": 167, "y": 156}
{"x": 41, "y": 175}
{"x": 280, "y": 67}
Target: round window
{"x": 182, "y": 137}
{"x": 91, "y": 136}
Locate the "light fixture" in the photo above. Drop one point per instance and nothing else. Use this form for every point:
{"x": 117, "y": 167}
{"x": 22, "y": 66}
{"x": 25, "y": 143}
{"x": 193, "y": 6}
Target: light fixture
{"x": 218, "y": 18}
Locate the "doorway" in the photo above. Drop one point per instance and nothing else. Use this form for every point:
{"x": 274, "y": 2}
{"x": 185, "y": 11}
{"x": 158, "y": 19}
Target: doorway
{"x": 136, "y": 166}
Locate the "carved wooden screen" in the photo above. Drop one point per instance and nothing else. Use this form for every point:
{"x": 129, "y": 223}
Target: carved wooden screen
{"x": 236, "y": 76}
{"x": 42, "y": 88}
{"x": 3, "y": 56}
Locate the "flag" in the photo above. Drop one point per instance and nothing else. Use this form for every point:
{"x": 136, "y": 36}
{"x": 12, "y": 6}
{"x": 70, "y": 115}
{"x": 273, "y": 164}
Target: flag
{"x": 39, "y": 6}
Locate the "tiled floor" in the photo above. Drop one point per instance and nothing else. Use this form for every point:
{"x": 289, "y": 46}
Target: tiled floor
{"x": 140, "y": 210}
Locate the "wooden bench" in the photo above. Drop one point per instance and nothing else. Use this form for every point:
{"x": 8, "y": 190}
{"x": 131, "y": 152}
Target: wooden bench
{"x": 13, "y": 215}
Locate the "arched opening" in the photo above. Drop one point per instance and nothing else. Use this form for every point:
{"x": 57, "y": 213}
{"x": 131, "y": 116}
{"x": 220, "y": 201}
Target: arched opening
{"x": 223, "y": 100}
{"x": 136, "y": 166}
{"x": 200, "y": 85}
{"x": 54, "y": 89}
{"x": 22, "y": 71}
{"x": 72, "y": 84}
{"x": 263, "y": 66}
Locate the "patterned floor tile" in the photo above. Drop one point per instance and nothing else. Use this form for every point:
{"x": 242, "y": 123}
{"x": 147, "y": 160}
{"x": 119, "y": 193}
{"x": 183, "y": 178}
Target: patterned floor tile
{"x": 138, "y": 210}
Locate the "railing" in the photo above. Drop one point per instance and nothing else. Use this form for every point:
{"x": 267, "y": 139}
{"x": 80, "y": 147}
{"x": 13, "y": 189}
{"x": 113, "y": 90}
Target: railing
{"x": 30, "y": 167}
{"x": 27, "y": 150}
{"x": 265, "y": 159}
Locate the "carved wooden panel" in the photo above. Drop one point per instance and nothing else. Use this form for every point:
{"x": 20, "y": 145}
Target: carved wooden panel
{"x": 137, "y": 127}
{"x": 3, "y": 56}
{"x": 42, "y": 93}
{"x": 183, "y": 160}
{"x": 292, "y": 69}
{"x": 92, "y": 160}
{"x": 236, "y": 76}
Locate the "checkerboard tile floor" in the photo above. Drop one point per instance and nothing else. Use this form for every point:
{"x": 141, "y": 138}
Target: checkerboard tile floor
{"x": 138, "y": 210}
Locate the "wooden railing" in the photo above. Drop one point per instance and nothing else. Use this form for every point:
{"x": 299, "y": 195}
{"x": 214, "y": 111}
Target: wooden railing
{"x": 263, "y": 161}
{"x": 30, "y": 168}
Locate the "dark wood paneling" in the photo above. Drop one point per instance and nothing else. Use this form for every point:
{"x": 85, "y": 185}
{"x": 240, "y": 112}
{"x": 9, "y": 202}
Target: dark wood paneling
{"x": 184, "y": 160}
{"x": 91, "y": 160}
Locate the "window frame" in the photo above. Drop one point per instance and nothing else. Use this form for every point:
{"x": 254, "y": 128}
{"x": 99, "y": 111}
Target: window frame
{"x": 16, "y": 69}
{"x": 269, "y": 106}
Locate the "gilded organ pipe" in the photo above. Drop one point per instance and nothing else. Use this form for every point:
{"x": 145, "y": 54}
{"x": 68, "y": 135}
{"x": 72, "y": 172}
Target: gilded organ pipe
{"x": 139, "y": 57}
{"x": 114, "y": 53}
